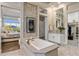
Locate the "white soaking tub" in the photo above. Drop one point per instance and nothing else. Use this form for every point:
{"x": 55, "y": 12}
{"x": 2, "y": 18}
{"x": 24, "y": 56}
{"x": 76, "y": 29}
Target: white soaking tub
{"x": 39, "y": 47}
{"x": 40, "y": 44}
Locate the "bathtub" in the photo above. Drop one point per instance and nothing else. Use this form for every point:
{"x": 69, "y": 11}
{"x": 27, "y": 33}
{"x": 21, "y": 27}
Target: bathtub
{"x": 39, "y": 47}
{"x": 41, "y": 44}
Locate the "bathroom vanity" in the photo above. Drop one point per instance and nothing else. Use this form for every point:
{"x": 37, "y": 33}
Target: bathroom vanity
{"x": 56, "y": 37}
{"x": 39, "y": 47}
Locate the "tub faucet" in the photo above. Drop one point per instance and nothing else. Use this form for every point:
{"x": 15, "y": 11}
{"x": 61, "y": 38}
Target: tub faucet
{"x": 28, "y": 41}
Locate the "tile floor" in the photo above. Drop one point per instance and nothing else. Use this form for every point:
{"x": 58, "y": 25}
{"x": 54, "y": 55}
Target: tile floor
{"x": 68, "y": 51}
{"x": 74, "y": 42}
{"x": 72, "y": 49}
{"x": 62, "y": 51}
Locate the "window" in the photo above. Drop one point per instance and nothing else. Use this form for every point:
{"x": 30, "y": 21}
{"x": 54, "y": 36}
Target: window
{"x": 11, "y": 24}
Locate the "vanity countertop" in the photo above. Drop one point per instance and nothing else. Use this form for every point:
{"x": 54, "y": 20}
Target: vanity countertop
{"x": 55, "y": 32}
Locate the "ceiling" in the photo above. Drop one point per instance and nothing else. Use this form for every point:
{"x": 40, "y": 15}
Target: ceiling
{"x": 48, "y": 4}
{"x": 57, "y": 3}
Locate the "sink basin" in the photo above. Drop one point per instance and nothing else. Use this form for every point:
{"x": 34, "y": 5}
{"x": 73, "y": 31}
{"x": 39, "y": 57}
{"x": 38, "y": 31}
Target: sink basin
{"x": 40, "y": 44}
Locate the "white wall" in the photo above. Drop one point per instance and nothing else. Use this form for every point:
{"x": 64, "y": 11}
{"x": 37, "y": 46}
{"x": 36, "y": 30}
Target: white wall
{"x": 51, "y": 18}
{"x": 66, "y": 25}
{"x": 50, "y": 15}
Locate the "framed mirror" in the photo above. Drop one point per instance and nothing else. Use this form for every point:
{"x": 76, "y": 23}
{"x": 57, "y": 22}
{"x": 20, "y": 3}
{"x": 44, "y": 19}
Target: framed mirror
{"x": 59, "y": 20}
{"x": 59, "y": 17}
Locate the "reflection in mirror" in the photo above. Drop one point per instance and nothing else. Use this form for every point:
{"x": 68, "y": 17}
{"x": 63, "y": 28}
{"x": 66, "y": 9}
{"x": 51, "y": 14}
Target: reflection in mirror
{"x": 59, "y": 20}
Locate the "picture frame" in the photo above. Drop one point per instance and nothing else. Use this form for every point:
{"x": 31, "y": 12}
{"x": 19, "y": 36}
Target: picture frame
{"x": 30, "y": 24}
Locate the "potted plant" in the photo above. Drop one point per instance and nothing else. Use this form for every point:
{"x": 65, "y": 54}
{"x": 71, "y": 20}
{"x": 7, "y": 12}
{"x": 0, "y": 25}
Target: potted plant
{"x": 61, "y": 28}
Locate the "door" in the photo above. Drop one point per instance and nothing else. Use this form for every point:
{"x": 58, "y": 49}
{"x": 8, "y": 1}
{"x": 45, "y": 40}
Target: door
{"x": 42, "y": 27}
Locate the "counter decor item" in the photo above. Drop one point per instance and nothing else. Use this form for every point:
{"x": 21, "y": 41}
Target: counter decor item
{"x": 61, "y": 29}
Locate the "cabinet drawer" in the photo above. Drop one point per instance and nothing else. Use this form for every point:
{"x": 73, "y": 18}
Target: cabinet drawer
{"x": 54, "y": 38}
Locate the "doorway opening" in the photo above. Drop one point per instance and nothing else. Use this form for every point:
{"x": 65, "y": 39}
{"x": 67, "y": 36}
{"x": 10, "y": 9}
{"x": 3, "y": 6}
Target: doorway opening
{"x": 42, "y": 27}
{"x": 73, "y": 29}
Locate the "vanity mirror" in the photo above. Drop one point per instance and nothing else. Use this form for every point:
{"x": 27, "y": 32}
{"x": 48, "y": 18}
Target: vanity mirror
{"x": 59, "y": 17}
